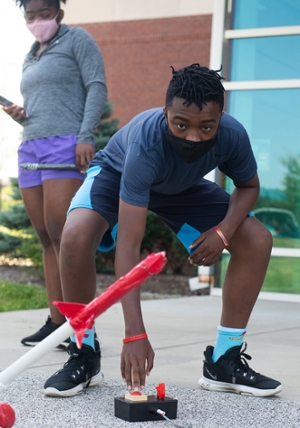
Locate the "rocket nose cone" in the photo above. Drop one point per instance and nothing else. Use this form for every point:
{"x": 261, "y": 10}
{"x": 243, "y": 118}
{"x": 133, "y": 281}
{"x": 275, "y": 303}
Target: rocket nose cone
{"x": 155, "y": 262}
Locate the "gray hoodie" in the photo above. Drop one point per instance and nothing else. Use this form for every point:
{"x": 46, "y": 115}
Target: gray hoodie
{"x": 64, "y": 90}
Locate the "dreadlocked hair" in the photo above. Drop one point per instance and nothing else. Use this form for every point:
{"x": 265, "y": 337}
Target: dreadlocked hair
{"x": 56, "y": 3}
{"x": 196, "y": 84}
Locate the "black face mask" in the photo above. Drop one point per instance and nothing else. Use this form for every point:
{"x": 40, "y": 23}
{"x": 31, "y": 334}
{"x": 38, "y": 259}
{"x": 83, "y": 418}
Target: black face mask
{"x": 190, "y": 151}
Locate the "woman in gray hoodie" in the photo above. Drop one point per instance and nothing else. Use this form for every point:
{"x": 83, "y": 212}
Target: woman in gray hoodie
{"x": 64, "y": 90}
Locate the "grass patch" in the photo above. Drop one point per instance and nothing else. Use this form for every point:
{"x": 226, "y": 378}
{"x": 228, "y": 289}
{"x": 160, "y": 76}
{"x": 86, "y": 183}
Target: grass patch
{"x": 15, "y": 297}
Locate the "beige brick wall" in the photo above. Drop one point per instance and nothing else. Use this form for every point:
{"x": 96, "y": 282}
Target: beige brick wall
{"x": 138, "y": 55}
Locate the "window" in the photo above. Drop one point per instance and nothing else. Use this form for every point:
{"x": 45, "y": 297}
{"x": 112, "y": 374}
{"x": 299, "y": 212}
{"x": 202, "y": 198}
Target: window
{"x": 264, "y": 58}
{"x": 259, "y": 44}
{"x": 265, "y": 13}
{"x": 271, "y": 118}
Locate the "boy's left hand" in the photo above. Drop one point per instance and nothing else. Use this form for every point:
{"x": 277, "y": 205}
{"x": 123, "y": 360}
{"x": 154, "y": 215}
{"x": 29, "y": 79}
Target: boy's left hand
{"x": 208, "y": 246}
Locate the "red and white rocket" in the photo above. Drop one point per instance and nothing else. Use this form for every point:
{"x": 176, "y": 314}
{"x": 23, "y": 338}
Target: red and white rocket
{"x": 81, "y": 317}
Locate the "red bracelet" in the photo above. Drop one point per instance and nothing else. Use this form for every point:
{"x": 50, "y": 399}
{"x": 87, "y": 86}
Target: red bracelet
{"x": 219, "y": 232}
{"x": 137, "y": 337}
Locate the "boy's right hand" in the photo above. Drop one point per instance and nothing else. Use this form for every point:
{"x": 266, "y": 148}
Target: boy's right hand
{"x": 136, "y": 363}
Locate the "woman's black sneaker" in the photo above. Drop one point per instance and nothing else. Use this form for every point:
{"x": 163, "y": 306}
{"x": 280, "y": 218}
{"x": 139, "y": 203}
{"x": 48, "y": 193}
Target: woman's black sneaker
{"x": 82, "y": 370}
{"x": 231, "y": 373}
{"x": 44, "y": 332}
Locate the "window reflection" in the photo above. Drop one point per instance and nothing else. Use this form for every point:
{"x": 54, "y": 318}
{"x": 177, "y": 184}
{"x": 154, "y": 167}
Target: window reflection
{"x": 271, "y": 118}
{"x": 265, "y": 58}
{"x": 265, "y": 13}
{"x": 283, "y": 274}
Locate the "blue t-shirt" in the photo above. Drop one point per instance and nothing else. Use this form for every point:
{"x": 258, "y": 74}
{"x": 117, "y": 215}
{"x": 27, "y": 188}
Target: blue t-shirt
{"x": 147, "y": 161}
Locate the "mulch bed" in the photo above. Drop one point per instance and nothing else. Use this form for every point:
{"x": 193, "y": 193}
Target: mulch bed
{"x": 158, "y": 286}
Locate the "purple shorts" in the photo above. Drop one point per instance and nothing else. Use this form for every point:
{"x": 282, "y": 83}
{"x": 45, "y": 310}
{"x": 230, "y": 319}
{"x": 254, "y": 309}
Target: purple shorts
{"x": 59, "y": 149}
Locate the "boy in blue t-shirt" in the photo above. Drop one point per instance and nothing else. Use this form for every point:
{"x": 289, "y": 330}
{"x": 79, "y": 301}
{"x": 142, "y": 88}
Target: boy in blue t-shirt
{"x": 157, "y": 162}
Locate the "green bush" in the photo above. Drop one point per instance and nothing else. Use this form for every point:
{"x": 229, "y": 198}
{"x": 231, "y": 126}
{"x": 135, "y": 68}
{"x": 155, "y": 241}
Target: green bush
{"x": 31, "y": 248}
{"x": 9, "y": 243}
{"x": 15, "y": 217}
{"x": 158, "y": 237}
{"x": 106, "y": 128}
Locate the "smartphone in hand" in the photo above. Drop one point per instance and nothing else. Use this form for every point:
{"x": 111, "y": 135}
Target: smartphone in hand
{"x": 4, "y": 102}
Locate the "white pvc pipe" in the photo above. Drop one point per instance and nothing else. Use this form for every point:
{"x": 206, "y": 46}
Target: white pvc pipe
{"x": 24, "y": 362}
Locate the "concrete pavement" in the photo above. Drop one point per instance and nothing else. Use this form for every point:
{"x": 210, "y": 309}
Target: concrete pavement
{"x": 179, "y": 330}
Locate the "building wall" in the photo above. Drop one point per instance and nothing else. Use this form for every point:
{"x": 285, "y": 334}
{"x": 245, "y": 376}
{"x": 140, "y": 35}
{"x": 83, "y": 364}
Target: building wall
{"x": 91, "y": 11}
{"x": 138, "y": 55}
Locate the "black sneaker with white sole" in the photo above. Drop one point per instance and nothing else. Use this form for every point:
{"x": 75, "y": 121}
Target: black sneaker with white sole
{"x": 82, "y": 370}
{"x": 48, "y": 328}
{"x": 231, "y": 373}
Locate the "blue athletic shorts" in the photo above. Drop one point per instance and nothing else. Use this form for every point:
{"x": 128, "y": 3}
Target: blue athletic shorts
{"x": 59, "y": 149}
{"x": 188, "y": 213}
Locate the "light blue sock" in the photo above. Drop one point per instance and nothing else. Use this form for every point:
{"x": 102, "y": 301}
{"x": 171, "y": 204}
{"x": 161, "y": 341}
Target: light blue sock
{"x": 88, "y": 338}
{"x": 227, "y": 338}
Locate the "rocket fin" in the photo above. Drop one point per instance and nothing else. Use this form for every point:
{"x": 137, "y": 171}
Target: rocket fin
{"x": 80, "y": 330}
{"x": 79, "y": 337}
{"x": 69, "y": 309}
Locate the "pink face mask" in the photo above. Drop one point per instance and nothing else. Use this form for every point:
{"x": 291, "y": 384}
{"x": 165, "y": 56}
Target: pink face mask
{"x": 43, "y": 29}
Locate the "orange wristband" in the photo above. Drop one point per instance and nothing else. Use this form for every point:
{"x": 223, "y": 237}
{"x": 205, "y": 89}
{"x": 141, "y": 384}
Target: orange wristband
{"x": 137, "y": 337}
{"x": 219, "y": 232}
